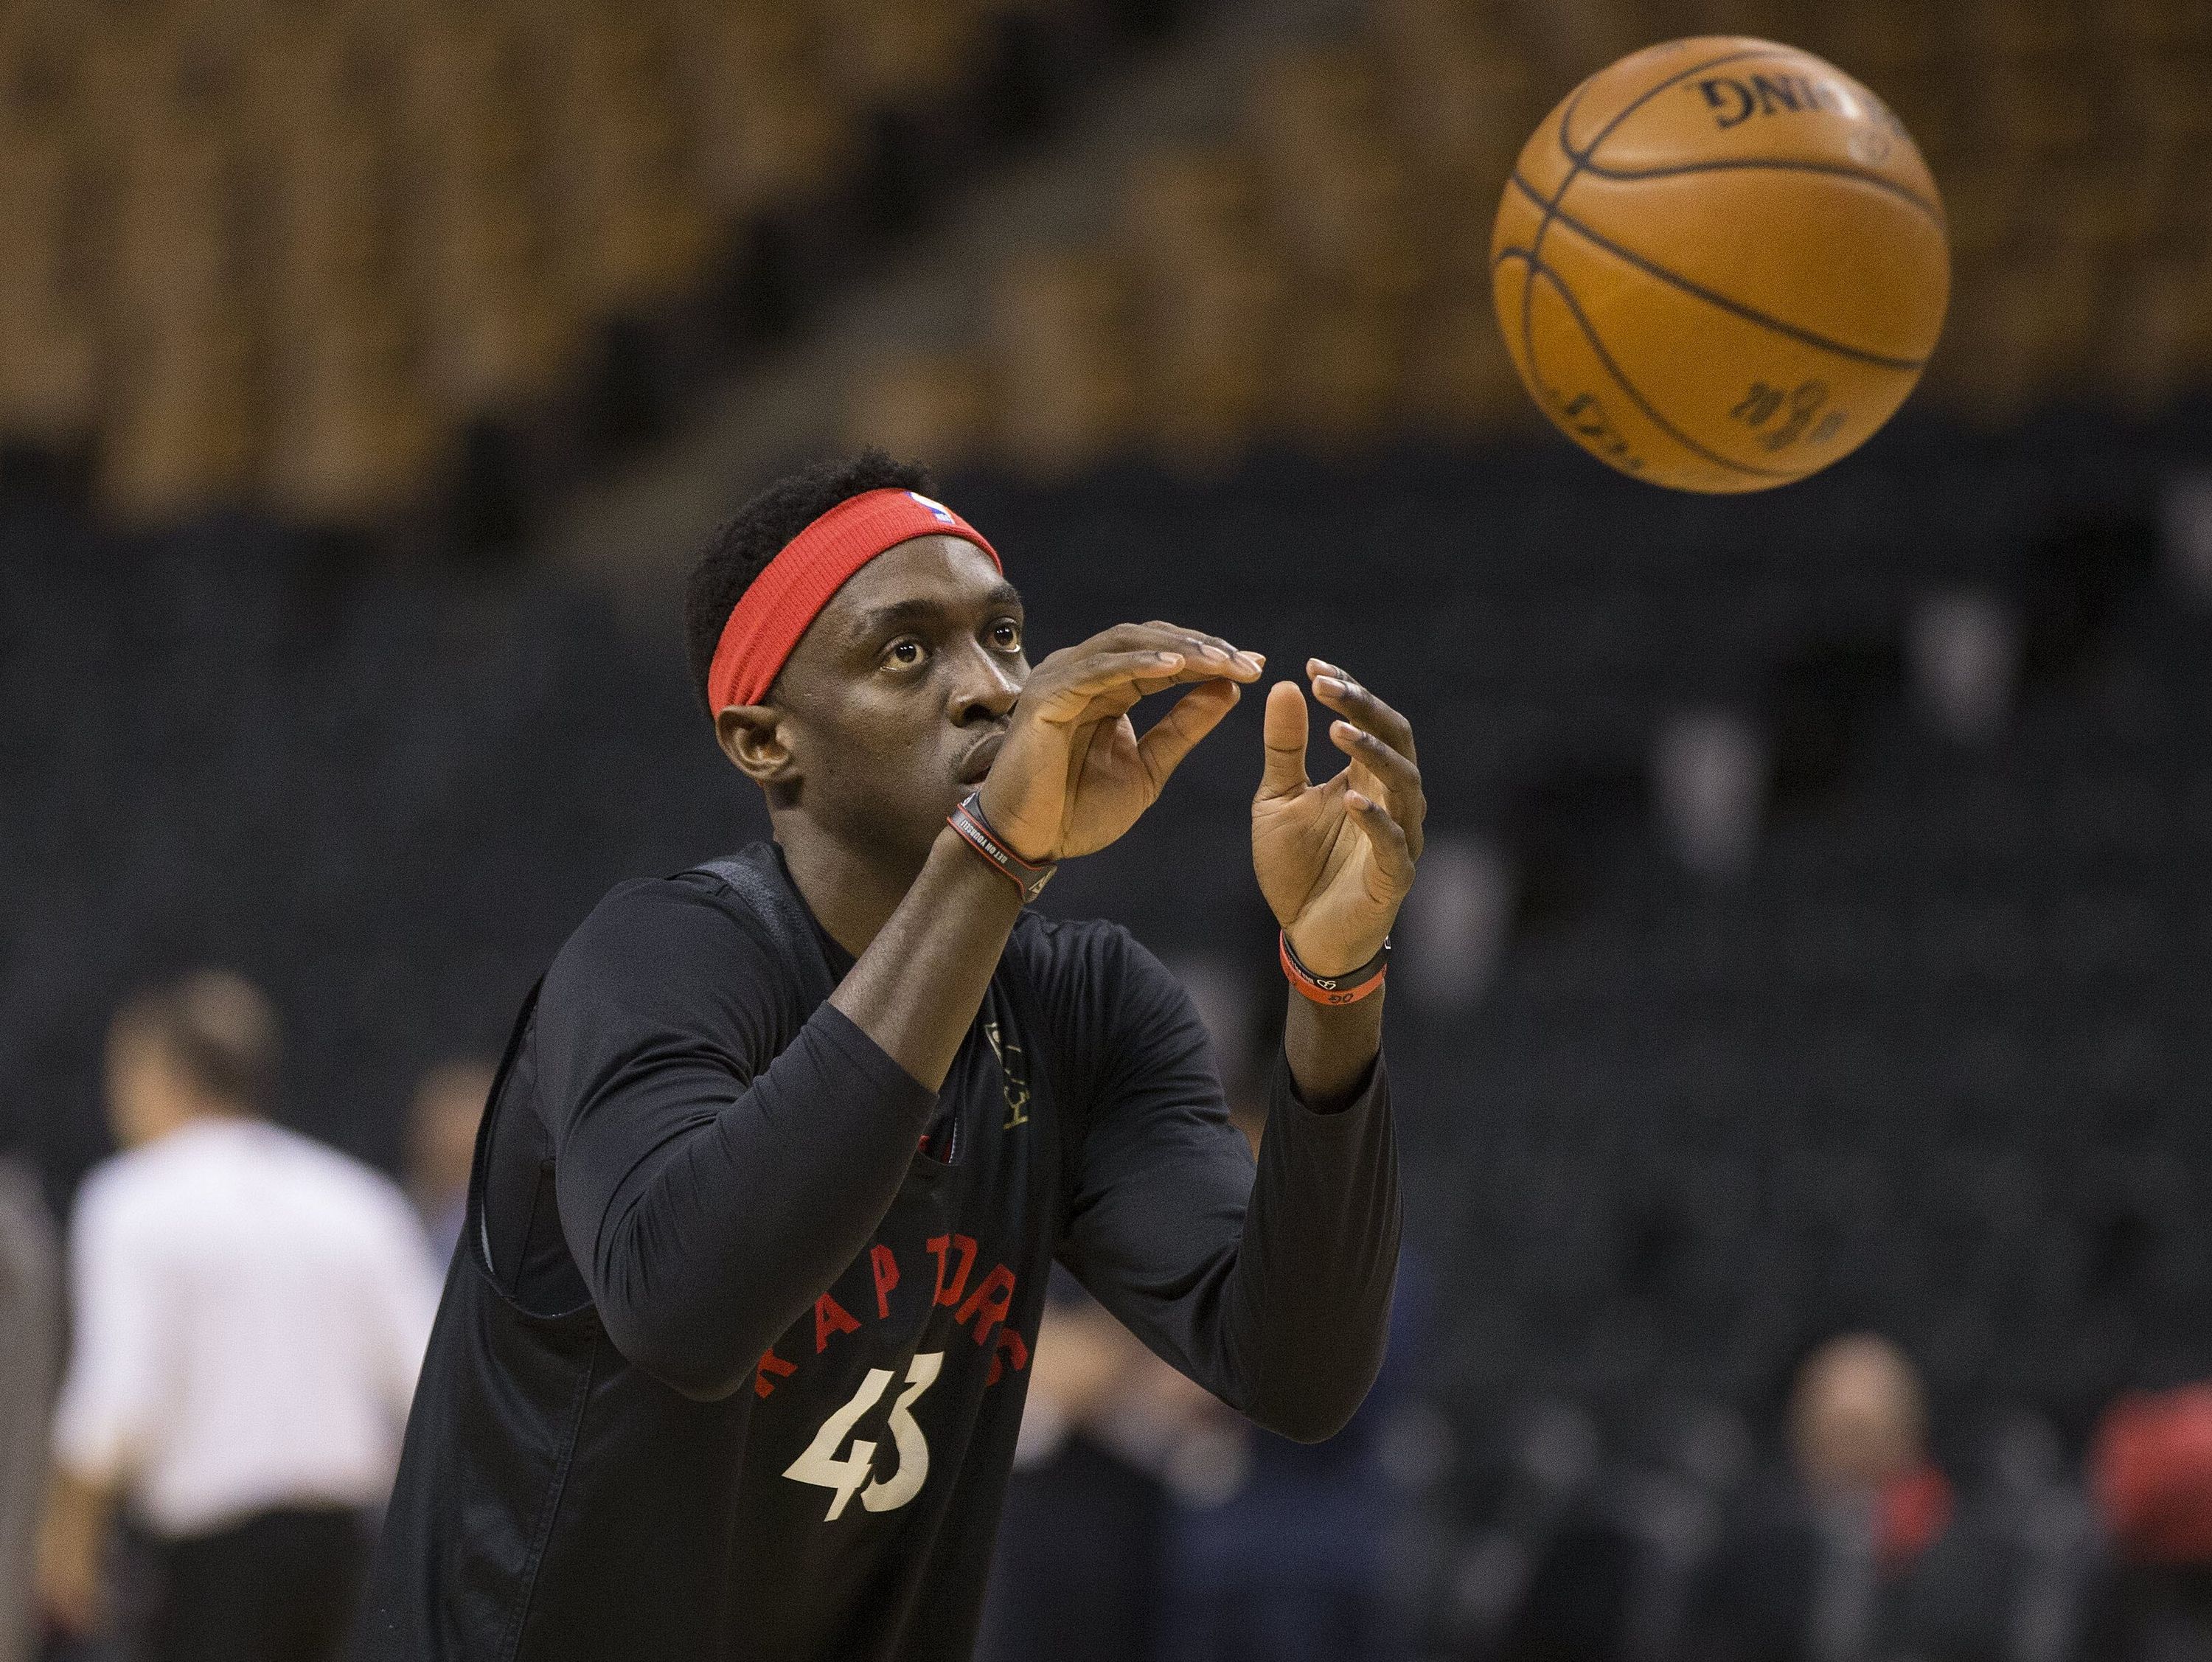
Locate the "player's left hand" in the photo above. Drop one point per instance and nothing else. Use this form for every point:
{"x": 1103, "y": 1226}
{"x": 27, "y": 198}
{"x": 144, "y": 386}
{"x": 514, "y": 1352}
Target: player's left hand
{"x": 1335, "y": 859}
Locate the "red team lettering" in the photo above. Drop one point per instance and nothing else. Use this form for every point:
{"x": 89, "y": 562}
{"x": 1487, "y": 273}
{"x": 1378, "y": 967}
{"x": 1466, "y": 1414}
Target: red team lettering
{"x": 1000, "y": 1282}
{"x": 886, "y": 1269}
{"x": 1010, "y": 1345}
{"x": 987, "y": 1307}
{"x": 965, "y": 1246}
{"x": 831, "y": 1317}
{"x": 771, "y": 1363}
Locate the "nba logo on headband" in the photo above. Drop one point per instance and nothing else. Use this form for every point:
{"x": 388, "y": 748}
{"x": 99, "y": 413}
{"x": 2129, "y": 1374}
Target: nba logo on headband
{"x": 944, "y": 515}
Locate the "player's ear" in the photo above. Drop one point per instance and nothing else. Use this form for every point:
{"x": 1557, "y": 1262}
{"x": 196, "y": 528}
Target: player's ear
{"x": 752, "y": 735}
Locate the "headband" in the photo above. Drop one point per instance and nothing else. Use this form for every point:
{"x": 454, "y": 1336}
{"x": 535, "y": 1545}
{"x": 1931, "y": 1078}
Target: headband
{"x": 791, "y": 590}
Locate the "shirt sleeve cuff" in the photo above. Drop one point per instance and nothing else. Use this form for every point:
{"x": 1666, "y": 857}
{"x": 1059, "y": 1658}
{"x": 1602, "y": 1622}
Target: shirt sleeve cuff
{"x": 853, "y": 1046}
{"x": 1284, "y": 1100}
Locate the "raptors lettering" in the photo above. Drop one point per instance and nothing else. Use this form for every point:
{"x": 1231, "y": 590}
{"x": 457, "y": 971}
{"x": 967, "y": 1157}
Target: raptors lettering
{"x": 982, "y": 1311}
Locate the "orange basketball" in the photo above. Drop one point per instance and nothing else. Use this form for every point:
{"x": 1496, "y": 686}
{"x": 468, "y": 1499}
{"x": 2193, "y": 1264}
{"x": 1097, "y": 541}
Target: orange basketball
{"x": 1720, "y": 264}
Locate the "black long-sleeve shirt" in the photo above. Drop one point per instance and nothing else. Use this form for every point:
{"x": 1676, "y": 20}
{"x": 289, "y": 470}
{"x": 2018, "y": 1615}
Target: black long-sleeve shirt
{"x": 732, "y": 1359}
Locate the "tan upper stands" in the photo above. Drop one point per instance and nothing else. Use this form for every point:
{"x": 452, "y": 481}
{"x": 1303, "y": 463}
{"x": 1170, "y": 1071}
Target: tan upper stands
{"x": 280, "y": 251}
{"x": 283, "y": 251}
{"x": 1322, "y": 274}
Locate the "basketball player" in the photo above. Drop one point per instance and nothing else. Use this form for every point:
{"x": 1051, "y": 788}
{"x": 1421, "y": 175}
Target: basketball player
{"x": 732, "y": 1358}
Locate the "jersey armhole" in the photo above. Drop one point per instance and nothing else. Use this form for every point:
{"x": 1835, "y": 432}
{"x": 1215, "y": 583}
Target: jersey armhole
{"x": 476, "y": 1226}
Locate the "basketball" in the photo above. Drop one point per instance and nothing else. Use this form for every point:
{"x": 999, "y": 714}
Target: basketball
{"x": 1720, "y": 264}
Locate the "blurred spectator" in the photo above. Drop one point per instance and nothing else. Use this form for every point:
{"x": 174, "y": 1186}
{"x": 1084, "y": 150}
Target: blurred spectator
{"x": 30, "y": 1317}
{"x": 441, "y": 1146}
{"x": 1815, "y": 1569}
{"x": 2151, "y": 1472}
{"x": 1147, "y": 1522}
{"x": 1078, "y": 1574}
{"x": 1276, "y": 1549}
{"x": 250, "y": 1313}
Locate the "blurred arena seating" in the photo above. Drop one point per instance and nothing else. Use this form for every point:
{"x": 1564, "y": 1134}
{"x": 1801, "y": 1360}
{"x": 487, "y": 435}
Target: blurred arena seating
{"x": 388, "y": 792}
{"x": 343, "y": 259}
{"x": 1318, "y": 272}
{"x": 1928, "y": 1063}
{"x": 331, "y": 258}
{"x": 1926, "y": 1060}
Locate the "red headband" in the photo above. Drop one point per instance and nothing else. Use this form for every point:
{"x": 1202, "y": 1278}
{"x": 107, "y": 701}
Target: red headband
{"x": 792, "y": 588}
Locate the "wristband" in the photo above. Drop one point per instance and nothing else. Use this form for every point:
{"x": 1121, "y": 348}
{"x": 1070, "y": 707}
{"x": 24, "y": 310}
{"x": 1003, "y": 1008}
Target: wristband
{"x": 1336, "y": 990}
{"x": 976, "y": 830}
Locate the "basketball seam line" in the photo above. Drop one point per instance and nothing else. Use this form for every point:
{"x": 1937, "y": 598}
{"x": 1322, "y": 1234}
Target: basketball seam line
{"x": 1574, "y": 166}
{"x": 1581, "y": 158}
{"x": 1835, "y": 169}
{"x": 1537, "y": 269}
{"x": 1749, "y": 313}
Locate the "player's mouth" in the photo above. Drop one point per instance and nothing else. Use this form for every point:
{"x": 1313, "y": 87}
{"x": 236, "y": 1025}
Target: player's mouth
{"x": 981, "y": 755}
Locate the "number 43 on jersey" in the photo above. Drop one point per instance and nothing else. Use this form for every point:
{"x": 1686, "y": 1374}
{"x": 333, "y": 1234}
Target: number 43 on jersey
{"x": 855, "y": 1473}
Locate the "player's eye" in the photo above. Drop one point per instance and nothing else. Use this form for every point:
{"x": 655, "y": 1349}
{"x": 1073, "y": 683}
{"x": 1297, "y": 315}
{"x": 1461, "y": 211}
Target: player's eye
{"x": 905, "y": 652}
{"x": 1006, "y": 634}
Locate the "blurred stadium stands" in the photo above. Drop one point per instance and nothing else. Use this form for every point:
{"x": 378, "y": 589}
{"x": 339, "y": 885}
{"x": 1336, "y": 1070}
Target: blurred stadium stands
{"x": 338, "y": 261}
{"x": 350, "y": 262}
{"x": 1317, "y": 270}
{"x": 1921, "y": 1045}
{"x": 1929, "y": 1062}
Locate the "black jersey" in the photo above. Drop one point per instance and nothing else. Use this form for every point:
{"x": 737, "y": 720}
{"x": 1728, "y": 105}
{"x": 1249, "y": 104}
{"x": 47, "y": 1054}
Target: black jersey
{"x": 732, "y": 1359}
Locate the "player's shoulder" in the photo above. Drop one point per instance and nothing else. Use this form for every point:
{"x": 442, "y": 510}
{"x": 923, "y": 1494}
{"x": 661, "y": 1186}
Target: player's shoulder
{"x": 1107, "y": 1005}
{"x": 1071, "y": 944}
{"x": 1084, "y": 960}
{"x": 648, "y": 920}
{"x": 683, "y": 953}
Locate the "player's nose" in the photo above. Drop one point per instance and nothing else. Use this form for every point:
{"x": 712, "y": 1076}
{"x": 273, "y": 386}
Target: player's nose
{"x": 983, "y": 687}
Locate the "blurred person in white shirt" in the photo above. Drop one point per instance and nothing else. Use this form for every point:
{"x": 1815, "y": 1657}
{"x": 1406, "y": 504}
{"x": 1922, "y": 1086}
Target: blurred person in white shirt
{"x": 250, "y": 1309}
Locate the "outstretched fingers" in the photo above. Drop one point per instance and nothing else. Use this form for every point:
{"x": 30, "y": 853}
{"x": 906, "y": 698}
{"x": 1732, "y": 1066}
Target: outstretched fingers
{"x": 1399, "y": 779}
{"x": 1108, "y": 673}
{"x": 1207, "y": 655}
{"x": 1127, "y": 676}
{"x": 1386, "y": 840}
{"x": 1379, "y": 741}
{"x": 1361, "y": 707}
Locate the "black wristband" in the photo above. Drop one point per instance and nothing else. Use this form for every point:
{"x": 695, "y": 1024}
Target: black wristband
{"x": 1347, "y": 989}
{"x": 976, "y": 830}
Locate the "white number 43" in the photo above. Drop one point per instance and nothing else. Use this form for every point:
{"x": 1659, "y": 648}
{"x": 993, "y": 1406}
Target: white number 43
{"x": 855, "y": 1473}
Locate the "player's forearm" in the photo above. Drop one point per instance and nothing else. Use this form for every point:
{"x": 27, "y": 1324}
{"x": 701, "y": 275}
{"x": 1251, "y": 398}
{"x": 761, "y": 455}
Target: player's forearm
{"x": 707, "y": 1247}
{"x": 1331, "y": 1047}
{"x": 918, "y": 986}
{"x": 1309, "y": 1299}
{"x": 704, "y": 1252}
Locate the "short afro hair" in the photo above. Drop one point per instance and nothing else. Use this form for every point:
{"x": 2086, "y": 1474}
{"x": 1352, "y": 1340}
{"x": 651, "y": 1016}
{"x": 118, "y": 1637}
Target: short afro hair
{"x": 756, "y": 532}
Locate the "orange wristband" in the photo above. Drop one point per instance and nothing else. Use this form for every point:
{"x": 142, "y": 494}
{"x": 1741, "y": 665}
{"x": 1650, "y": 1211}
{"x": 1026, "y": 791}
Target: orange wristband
{"x": 1334, "y": 990}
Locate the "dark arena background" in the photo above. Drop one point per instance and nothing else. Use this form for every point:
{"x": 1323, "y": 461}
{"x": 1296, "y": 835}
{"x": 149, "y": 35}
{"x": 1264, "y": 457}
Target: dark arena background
{"x": 1802, "y": 1028}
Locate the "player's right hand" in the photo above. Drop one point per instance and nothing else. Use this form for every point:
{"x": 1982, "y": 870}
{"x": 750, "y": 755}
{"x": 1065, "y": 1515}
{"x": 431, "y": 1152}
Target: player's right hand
{"x": 1072, "y": 775}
